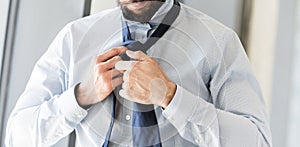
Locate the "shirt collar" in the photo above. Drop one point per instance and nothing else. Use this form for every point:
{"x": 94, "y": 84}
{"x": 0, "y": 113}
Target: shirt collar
{"x": 162, "y": 12}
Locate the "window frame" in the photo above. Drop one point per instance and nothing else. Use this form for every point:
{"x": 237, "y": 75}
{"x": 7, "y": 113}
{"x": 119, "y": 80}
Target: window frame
{"x": 6, "y": 59}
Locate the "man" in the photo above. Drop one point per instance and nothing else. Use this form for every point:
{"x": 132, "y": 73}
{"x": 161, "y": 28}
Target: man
{"x": 193, "y": 76}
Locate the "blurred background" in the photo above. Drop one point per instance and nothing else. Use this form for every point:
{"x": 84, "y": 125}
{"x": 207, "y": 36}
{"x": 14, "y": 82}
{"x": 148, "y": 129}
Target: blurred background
{"x": 269, "y": 30}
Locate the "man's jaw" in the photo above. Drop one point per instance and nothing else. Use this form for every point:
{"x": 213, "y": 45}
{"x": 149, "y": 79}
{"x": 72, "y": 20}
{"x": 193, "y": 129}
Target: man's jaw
{"x": 137, "y": 6}
{"x": 139, "y": 10}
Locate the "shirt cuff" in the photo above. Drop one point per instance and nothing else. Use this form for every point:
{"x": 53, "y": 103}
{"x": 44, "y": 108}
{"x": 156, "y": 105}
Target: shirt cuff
{"x": 181, "y": 107}
{"x": 69, "y": 106}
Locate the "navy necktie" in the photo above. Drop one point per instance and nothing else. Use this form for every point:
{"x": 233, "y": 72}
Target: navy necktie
{"x": 145, "y": 130}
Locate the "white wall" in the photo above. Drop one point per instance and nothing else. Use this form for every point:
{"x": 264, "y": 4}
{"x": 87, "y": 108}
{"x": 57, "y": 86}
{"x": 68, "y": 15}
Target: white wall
{"x": 228, "y": 12}
{"x": 38, "y": 23}
{"x": 99, "y": 5}
{"x": 262, "y": 41}
{"x": 283, "y": 69}
{"x": 293, "y": 132}
{"x": 272, "y": 52}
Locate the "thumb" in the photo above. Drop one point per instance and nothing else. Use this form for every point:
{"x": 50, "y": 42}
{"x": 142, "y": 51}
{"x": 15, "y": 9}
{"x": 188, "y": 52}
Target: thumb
{"x": 138, "y": 55}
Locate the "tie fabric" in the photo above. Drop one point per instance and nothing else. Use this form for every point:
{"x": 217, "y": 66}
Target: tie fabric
{"x": 145, "y": 131}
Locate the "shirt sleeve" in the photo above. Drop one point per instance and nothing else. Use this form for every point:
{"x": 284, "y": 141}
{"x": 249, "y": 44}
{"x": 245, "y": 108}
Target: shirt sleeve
{"x": 237, "y": 114}
{"x": 47, "y": 110}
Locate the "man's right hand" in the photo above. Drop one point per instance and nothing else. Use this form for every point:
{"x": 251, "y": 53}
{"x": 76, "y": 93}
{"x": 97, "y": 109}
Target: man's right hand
{"x": 104, "y": 81}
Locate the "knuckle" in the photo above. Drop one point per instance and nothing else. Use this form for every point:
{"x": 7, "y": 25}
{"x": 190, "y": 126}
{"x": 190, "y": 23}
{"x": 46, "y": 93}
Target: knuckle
{"x": 115, "y": 50}
{"x": 118, "y": 58}
{"x": 130, "y": 86}
{"x": 110, "y": 64}
{"x": 135, "y": 64}
{"x": 99, "y": 58}
{"x": 151, "y": 59}
{"x": 99, "y": 67}
{"x": 135, "y": 67}
{"x": 139, "y": 53}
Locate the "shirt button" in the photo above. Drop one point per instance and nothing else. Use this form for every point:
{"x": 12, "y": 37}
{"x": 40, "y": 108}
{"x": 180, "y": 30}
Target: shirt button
{"x": 127, "y": 117}
{"x": 197, "y": 140}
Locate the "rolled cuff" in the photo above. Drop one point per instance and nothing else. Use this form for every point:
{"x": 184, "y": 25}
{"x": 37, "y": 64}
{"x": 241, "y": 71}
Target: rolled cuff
{"x": 69, "y": 106}
{"x": 181, "y": 107}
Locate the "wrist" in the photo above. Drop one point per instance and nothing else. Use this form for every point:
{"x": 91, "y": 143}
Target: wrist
{"x": 82, "y": 97}
{"x": 169, "y": 95}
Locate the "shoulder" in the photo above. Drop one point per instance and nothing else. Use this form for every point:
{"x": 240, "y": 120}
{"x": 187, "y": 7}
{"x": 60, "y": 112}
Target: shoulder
{"x": 200, "y": 25}
{"x": 201, "y": 21}
{"x": 86, "y": 22}
{"x": 211, "y": 37}
{"x": 76, "y": 30}
{"x": 73, "y": 34}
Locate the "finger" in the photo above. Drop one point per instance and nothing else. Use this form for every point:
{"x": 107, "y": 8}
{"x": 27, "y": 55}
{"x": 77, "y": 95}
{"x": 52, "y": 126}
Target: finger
{"x": 117, "y": 82}
{"x": 110, "y": 53}
{"x": 138, "y": 55}
{"x": 125, "y": 65}
{"x": 115, "y": 73}
{"x": 109, "y": 64}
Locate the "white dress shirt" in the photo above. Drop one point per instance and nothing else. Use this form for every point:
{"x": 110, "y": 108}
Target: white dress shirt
{"x": 218, "y": 101}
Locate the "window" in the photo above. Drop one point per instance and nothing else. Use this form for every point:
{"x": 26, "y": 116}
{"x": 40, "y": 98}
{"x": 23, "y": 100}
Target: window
{"x": 294, "y": 120}
{"x": 4, "y": 5}
{"x": 21, "y": 52}
{"x": 3, "y": 17}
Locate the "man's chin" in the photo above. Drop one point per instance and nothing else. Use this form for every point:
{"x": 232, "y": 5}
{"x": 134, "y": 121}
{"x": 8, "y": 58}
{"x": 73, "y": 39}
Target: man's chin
{"x": 140, "y": 11}
{"x": 138, "y": 7}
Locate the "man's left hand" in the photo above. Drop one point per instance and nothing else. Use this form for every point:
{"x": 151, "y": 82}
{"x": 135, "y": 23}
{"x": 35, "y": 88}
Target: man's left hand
{"x": 144, "y": 80}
